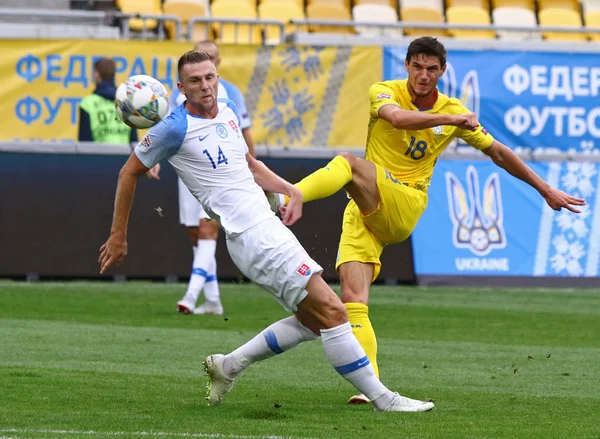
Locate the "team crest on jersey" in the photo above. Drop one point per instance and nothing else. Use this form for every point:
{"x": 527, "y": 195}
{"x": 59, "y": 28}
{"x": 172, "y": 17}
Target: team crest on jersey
{"x": 221, "y": 130}
{"x": 146, "y": 143}
{"x": 478, "y": 223}
{"x": 233, "y": 125}
{"x": 303, "y": 270}
{"x": 438, "y": 130}
{"x": 381, "y": 96}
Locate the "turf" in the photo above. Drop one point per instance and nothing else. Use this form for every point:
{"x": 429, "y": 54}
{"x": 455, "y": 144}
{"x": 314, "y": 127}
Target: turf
{"x": 115, "y": 360}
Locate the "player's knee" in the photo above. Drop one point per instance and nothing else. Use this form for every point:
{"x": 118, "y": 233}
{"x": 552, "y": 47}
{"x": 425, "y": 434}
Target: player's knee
{"x": 208, "y": 229}
{"x": 335, "y": 314}
{"x": 349, "y": 157}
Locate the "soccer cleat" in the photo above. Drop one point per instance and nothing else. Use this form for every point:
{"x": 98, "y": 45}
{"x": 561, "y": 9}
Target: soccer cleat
{"x": 275, "y": 201}
{"x": 403, "y": 404}
{"x": 185, "y": 306}
{"x": 209, "y": 308}
{"x": 359, "y": 399}
{"x": 218, "y": 383}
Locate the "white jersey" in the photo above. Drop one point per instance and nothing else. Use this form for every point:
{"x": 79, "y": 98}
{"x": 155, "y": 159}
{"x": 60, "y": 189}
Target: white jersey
{"x": 209, "y": 155}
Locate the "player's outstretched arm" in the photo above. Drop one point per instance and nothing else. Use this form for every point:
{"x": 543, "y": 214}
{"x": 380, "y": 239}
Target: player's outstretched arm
{"x": 115, "y": 249}
{"x": 416, "y": 120}
{"x": 504, "y": 157}
{"x": 271, "y": 182}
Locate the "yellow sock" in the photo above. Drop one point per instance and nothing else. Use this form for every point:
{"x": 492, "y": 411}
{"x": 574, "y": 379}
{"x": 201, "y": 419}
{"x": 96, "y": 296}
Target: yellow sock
{"x": 326, "y": 181}
{"x": 358, "y": 314}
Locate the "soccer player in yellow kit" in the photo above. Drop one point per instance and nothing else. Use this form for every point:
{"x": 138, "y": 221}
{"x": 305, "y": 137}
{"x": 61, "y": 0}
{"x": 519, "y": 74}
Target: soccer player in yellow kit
{"x": 410, "y": 124}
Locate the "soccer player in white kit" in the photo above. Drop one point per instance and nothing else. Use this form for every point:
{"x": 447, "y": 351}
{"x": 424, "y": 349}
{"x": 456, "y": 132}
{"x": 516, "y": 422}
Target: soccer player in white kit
{"x": 203, "y": 143}
{"x": 202, "y": 231}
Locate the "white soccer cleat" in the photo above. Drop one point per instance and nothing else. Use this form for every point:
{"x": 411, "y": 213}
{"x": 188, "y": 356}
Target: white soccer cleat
{"x": 218, "y": 383}
{"x": 403, "y": 404}
{"x": 275, "y": 201}
{"x": 209, "y": 308}
{"x": 359, "y": 399}
{"x": 185, "y": 306}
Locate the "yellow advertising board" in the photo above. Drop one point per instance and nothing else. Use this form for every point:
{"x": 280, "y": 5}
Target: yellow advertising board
{"x": 296, "y": 95}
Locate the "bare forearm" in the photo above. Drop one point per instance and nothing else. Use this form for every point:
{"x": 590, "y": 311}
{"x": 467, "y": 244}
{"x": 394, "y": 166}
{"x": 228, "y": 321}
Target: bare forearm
{"x": 249, "y": 141}
{"x": 414, "y": 120}
{"x": 269, "y": 181}
{"x": 517, "y": 168}
{"x": 123, "y": 201}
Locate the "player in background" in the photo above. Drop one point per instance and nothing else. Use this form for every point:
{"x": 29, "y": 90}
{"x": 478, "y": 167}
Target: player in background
{"x": 410, "y": 124}
{"x": 202, "y": 231}
{"x": 203, "y": 142}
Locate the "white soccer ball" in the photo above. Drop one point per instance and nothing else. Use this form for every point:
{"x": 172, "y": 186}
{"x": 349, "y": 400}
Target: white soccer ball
{"x": 141, "y": 101}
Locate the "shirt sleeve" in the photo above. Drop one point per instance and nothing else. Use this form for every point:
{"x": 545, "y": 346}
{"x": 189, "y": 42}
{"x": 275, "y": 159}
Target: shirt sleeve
{"x": 234, "y": 94}
{"x": 380, "y": 95}
{"x": 162, "y": 140}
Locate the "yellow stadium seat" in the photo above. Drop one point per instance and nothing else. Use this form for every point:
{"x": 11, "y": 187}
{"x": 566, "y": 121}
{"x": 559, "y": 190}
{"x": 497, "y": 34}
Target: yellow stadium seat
{"x": 424, "y": 15}
{"x": 300, "y": 3}
{"x": 231, "y": 33}
{"x": 563, "y": 18}
{"x": 346, "y": 3}
{"x": 184, "y": 9}
{"x": 476, "y": 3}
{"x": 328, "y": 10}
{"x": 572, "y": 5}
{"x": 280, "y": 10}
{"x": 140, "y": 7}
{"x": 469, "y": 15}
{"x": 592, "y": 19}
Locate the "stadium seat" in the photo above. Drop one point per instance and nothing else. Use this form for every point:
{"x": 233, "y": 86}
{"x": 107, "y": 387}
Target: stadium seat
{"x": 231, "y": 33}
{"x": 526, "y": 4}
{"x": 437, "y": 5}
{"x": 346, "y": 3}
{"x": 140, "y": 7}
{"x": 572, "y": 5}
{"x": 184, "y": 9}
{"x": 592, "y": 19}
{"x": 469, "y": 15}
{"x": 476, "y": 3}
{"x": 391, "y": 3}
{"x": 376, "y": 14}
{"x": 281, "y": 10}
{"x": 328, "y": 10}
{"x": 564, "y": 18}
{"x": 423, "y": 15}
{"x": 515, "y": 17}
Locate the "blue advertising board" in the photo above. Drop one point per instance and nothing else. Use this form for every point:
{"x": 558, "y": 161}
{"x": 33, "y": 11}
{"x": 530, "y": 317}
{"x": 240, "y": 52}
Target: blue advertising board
{"x": 526, "y": 100}
{"x": 482, "y": 221}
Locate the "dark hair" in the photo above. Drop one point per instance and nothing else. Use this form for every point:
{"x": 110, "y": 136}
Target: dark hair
{"x": 106, "y": 68}
{"x": 191, "y": 57}
{"x": 427, "y": 46}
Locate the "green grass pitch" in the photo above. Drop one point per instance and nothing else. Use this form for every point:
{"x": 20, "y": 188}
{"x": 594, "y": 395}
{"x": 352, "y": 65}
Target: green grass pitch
{"x": 115, "y": 360}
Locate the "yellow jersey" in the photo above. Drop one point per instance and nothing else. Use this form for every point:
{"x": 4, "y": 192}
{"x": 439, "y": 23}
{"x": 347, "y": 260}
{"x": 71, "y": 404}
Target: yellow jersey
{"x": 410, "y": 155}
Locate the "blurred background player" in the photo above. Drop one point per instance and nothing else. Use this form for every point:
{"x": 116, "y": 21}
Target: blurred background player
{"x": 202, "y": 231}
{"x": 98, "y": 121}
{"x": 410, "y": 124}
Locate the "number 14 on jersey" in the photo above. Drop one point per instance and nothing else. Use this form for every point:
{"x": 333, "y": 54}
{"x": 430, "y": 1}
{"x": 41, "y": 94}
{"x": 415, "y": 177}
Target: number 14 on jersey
{"x": 221, "y": 159}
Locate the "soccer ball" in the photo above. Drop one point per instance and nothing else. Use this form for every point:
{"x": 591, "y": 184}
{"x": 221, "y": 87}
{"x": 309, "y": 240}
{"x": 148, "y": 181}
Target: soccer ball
{"x": 141, "y": 101}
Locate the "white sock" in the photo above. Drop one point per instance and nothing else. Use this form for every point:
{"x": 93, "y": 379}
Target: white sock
{"x": 211, "y": 287}
{"x": 281, "y": 336}
{"x": 202, "y": 259}
{"x": 347, "y": 356}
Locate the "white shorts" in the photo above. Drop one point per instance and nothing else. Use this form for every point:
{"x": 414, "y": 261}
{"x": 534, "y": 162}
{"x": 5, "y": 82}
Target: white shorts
{"x": 190, "y": 210}
{"x": 270, "y": 255}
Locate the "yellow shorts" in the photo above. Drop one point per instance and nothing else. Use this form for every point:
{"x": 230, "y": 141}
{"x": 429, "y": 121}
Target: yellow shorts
{"x": 365, "y": 236}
